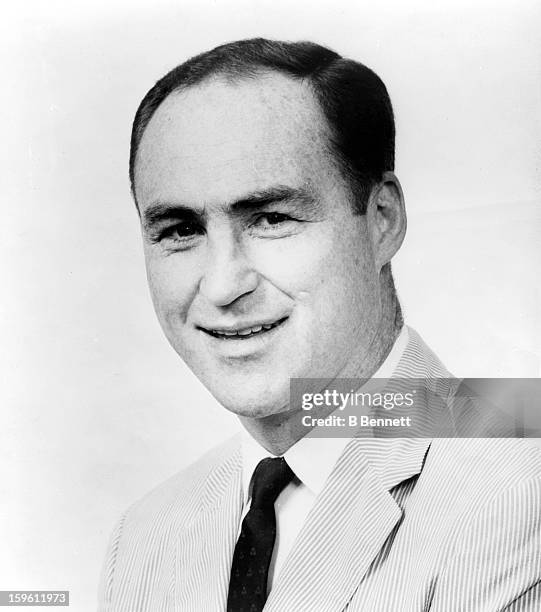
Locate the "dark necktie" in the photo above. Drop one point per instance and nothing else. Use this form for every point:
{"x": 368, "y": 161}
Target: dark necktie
{"x": 253, "y": 552}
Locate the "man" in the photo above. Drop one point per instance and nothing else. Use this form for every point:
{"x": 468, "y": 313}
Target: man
{"x": 263, "y": 176}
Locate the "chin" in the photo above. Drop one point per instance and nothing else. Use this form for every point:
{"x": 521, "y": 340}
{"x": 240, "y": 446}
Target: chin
{"x": 250, "y": 394}
{"x": 253, "y": 405}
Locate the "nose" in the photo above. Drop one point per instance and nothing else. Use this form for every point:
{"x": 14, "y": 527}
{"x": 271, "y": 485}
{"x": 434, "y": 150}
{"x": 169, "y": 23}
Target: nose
{"x": 228, "y": 273}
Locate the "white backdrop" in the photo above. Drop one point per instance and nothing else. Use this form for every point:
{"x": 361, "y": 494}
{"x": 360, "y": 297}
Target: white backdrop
{"x": 95, "y": 407}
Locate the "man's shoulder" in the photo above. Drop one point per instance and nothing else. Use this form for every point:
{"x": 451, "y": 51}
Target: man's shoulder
{"x": 181, "y": 495}
{"x": 486, "y": 467}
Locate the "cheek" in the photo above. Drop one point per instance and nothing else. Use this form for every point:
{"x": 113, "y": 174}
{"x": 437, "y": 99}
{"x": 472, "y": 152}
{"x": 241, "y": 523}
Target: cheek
{"x": 293, "y": 264}
{"x": 322, "y": 264}
{"x": 172, "y": 286}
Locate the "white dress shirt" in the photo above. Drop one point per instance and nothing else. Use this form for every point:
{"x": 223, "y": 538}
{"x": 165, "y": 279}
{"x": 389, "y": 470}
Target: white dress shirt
{"x": 312, "y": 460}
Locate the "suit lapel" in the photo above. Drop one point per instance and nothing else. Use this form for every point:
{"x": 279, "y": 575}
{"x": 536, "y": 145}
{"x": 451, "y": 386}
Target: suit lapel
{"x": 345, "y": 530}
{"x": 205, "y": 548}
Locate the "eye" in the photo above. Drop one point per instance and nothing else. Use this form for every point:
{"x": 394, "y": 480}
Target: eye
{"x": 273, "y": 218}
{"x": 274, "y": 224}
{"x": 181, "y": 235}
{"x": 185, "y": 229}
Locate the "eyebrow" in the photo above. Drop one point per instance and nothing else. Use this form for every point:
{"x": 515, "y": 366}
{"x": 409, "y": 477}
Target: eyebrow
{"x": 166, "y": 211}
{"x": 273, "y": 195}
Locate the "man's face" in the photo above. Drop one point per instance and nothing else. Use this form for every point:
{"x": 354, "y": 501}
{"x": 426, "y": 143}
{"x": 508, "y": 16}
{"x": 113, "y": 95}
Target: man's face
{"x": 258, "y": 267}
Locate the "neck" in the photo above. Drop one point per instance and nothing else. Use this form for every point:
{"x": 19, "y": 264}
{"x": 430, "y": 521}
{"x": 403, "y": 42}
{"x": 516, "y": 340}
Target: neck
{"x": 278, "y": 432}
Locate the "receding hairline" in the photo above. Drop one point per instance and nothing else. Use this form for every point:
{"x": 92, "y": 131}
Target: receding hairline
{"x": 302, "y": 86}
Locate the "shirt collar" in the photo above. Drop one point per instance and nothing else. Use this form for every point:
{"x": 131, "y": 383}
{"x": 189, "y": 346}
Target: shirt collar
{"x": 312, "y": 459}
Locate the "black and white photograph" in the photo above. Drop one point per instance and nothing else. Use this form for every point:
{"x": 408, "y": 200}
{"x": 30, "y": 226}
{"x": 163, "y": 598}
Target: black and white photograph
{"x": 271, "y": 332}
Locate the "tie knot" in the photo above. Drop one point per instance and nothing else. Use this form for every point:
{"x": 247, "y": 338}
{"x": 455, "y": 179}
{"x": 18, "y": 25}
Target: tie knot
{"x": 271, "y": 476}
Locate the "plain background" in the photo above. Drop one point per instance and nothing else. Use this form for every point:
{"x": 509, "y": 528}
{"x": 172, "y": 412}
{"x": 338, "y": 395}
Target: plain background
{"x": 96, "y": 408}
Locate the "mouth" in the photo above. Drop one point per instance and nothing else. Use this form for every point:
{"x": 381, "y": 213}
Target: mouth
{"x": 244, "y": 333}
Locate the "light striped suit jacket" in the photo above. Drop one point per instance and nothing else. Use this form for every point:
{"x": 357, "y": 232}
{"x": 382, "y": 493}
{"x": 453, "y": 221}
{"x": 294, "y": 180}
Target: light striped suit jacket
{"x": 402, "y": 525}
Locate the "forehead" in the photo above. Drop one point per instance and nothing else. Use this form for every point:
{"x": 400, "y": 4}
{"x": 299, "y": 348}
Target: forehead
{"x": 219, "y": 140}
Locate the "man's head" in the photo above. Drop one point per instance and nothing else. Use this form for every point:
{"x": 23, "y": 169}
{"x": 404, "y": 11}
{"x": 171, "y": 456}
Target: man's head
{"x": 262, "y": 172}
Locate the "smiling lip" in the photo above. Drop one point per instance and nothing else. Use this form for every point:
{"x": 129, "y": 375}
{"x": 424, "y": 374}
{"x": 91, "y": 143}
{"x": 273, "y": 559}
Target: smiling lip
{"x": 242, "y": 333}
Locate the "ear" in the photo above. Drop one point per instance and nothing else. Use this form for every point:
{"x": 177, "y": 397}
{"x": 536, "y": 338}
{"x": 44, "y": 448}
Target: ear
{"x": 388, "y": 218}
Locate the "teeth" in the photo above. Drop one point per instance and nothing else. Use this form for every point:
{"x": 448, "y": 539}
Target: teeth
{"x": 244, "y": 332}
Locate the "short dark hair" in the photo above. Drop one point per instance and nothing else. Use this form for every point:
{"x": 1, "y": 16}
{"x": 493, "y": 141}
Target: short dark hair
{"x": 353, "y": 98}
